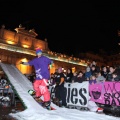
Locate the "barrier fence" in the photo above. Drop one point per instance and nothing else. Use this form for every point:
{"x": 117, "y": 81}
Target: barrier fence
{"x": 78, "y": 94}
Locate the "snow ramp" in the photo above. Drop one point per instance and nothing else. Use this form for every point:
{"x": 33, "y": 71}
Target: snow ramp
{"x": 21, "y": 85}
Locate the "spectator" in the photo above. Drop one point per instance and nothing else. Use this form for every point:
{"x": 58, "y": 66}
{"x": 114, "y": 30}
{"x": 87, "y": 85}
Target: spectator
{"x": 116, "y": 75}
{"x": 109, "y": 75}
{"x": 93, "y": 70}
{"x": 69, "y": 75}
{"x": 96, "y": 66}
{"x": 60, "y": 91}
{"x": 88, "y": 73}
{"x": 80, "y": 77}
{"x": 92, "y": 79}
{"x": 74, "y": 78}
{"x": 100, "y": 78}
{"x": 104, "y": 71}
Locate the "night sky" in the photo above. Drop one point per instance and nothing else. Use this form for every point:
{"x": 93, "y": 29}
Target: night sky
{"x": 70, "y": 27}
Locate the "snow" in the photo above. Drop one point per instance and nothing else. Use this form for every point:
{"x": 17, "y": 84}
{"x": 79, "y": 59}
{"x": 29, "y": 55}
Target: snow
{"x": 35, "y": 112}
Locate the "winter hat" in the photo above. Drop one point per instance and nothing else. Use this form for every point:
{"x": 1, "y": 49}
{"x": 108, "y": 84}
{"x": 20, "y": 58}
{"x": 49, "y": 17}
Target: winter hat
{"x": 38, "y": 50}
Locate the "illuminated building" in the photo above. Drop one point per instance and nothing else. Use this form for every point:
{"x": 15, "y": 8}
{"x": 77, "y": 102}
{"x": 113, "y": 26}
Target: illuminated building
{"x": 20, "y": 45}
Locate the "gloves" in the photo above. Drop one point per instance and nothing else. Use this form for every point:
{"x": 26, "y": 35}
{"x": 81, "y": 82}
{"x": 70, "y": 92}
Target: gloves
{"x": 24, "y": 63}
{"x": 21, "y": 62}
{"x": 54, "y": 85}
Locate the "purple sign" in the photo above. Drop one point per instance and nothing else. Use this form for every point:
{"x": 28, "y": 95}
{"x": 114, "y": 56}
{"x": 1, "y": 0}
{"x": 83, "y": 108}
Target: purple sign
{"x": 106, "y": 93}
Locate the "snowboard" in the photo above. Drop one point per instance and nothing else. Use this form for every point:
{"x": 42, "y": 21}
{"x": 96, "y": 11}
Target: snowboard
{"x": 40, "y": 101}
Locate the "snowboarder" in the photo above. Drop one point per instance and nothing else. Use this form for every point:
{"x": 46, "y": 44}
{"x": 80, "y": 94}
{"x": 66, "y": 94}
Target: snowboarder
{"x": 41, "y": 64}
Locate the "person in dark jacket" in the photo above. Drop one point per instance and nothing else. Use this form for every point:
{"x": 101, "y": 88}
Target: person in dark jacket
{"x": 60, "y": 91}
{"x": 94, "y": 63}
{"x": 69, "y": 76}
{"x": 109, "y": 75}
{"x": 80, "y": 77}
{"x": 104, "y": 71}
{"x": 74, "y": 78}
{"x": 93, "y": 70}
{"x": 116, "y": 75}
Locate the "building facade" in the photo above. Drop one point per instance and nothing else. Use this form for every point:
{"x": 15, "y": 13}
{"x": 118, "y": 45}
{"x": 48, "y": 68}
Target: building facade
{"x": 20, "y": 44}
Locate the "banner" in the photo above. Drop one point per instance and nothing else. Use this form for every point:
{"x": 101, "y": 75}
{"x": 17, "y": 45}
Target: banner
{"x": 106, "y": 93}
{"x": 77, "y": 94}
{"x": 52, "y": 92}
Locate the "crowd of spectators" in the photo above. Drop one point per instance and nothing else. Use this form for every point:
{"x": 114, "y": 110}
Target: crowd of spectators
{"x": 93, "y": 73}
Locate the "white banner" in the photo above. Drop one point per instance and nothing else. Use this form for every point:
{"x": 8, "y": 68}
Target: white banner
{"x": 77, "y": 94}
